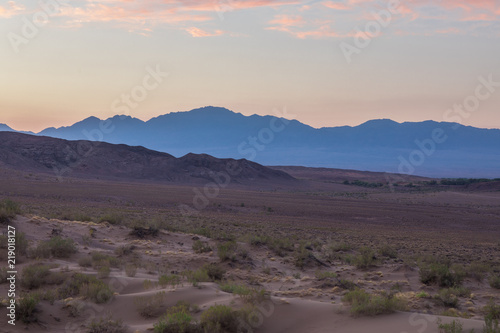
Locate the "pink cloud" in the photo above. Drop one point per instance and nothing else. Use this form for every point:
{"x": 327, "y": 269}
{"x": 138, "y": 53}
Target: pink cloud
{"x": 197, "y": 32}
{"x": 336, "y": 5}
{"x": 11, "y": 9}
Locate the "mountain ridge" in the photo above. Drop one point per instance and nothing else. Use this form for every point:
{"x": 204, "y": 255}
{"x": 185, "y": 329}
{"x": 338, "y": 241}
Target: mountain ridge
{"x": 380, "y": 145}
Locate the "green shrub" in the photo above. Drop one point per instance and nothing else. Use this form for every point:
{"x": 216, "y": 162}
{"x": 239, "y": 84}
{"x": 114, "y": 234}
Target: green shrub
{"x": 21, "y": 243}
{"x": 439, "y": 272}
{"x": 86, "y": 286}
{"x": 124, "y": 250}
{"x": 103, "y": 272}
{"x": 8, "y": 210}
{"x": 178, "y": 320}
{"x": 491, "y": 325}
{"x": 365, "y": 258}
{"x": 448, "y": 297}
{"x": 130, "y": 270}
{"x": 100, "y": 259}
{"x": 453, "y": 327}
{"x": 106, "y": 325}
{"x": 201, "y": 247}
{"x": 219, "y": 319}
{"x": 492, "y": 310}
{"x": 323, "y": 275}
{"x": 388, "y": 251}
{"x": 169, "y": 280}
{"x": 478, "y": 271}
{"x": 56, "y": 246}
{"x": 150, "y": 306}
{"x": 197, "y": 276}
{"x": 214, "y": 271}
{"x": 363, "y": 303}
{"x": 26, "y": 308}
{"x": 112, "y": 218}
{"x": 495, "y": 281}
{"x": 227, "y": 251}
{"x": 85, "y": 261}
{"x": 34, "y": 276}
{"x": 233, "y": 288}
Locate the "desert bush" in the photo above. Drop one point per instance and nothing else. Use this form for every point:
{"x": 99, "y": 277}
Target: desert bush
{"x": 227, "y": 251}
{"x": 21, "y": 243}
{"x": 86, "y": 286}
{"x": 255, "y": 296}
{"x": 103, "y": 272}
{"x": 495, "y": 281}
{"x": 201, "y": 247}
{"x": 346, "y": 284}
{"x": 106, "y": 325}
{"x": 324, "y": 275}
{"x": 280, "y": 246}
{"x": 85, "y": 261}
{"x": 57, "y": 246}
{"x": 130, "y": 270}
{"x": 363, "y": 303}
{"x": 3, "y": 275}
{"x": 439, "y": 272}
{"x": 34, "y": 276}
{"x": 169, "y": 280}
{"x": 388, "y": 251}
{"x": 448, "y": 297}
{"x": 100, "y": 259}
{"x": 219, "y": 319}
{"x": 26, "y": 308}
{"x": 197, "y": 276}
{"x": 234, "y": 288}
{"x": 112, "y": 218}
{"x": 8, "y": 210}
{"x": 150, "y": 306}
{"x": 124, "y": 250}
{"x": 492, "y": 310}
{"x": 478, "y": 271}
{"x": 214, "y": 271}
{"x": 491, "y": 325}
{"x": 178, "y": 319}
{"x": 365, "y": 258}
{"x": 453, "y": 327}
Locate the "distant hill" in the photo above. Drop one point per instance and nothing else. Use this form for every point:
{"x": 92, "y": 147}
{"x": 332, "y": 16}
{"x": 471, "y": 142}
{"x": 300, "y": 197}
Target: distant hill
{"x": 88, "y": 159}
{"x": 377, "y": 145}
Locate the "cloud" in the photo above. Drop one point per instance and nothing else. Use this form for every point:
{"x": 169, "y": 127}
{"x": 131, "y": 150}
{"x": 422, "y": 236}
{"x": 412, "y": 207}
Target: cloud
{"x": 337, "y": 5}
{"x": 11, "y": 9}
{"x": 197, "y": 32}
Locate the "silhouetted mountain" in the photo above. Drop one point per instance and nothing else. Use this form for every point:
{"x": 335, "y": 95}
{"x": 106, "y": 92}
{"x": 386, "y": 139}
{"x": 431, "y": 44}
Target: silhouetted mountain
{"x": 377, "y": 145}
{"x": 5, "y": 128}
{"x": 88, "y": 159}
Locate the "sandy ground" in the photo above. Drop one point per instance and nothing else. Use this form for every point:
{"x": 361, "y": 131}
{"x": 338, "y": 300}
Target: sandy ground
{"x": 297, "y": 304}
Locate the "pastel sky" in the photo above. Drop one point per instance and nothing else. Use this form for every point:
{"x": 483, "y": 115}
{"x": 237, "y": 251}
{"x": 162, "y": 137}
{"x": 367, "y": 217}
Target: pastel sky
{"x": 408, "y": 60}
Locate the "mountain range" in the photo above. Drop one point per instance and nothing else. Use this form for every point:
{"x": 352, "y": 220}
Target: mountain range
{"x": 87, "y": 159}
{"x": 429, "y": 148}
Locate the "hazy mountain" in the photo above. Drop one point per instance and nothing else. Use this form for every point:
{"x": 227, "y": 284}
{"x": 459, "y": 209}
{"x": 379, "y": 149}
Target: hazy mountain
{"x": 377, "y": 145}
{"x": 88, "y": 159}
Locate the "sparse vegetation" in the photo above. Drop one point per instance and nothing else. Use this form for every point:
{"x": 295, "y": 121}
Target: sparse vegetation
{"x": 150, "y": 306}
{"x": 201, "y": 247}
{"x": 106, "y": 325}
{"x": 227, "y": 251}
{"x": 57, "y": 247}
{"x": 365, "y": 258}
{"x": 440, "y": 272}
{"x": 130, "y": 270}
{"x": 453, "y": 327}
{"x": 365, "y": 304}
{"x": 86, "y": 286}
{"x": 8, "y": 210}
{"x": 169, "y": 280}
{"x": 178, "y": 320}
{"x": 495, "y": 281}
{"x": 34, "y": 276}
{"x": 26, "y": 308}
{"x": 219, "y": 319}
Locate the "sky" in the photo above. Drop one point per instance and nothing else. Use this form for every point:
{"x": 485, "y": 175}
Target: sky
{"x": 328, "y": 63}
